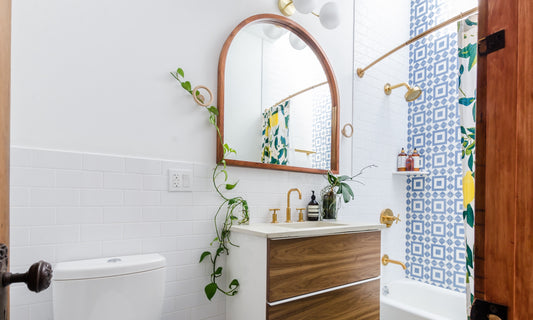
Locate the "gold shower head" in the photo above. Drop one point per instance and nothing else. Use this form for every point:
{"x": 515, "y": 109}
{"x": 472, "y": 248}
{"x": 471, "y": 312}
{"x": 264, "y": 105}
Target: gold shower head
{"x": 412, "y": 92}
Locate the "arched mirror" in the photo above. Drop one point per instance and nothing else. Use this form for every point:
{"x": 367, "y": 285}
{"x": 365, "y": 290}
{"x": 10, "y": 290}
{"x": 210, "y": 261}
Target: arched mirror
{"x": 278, "y": 98}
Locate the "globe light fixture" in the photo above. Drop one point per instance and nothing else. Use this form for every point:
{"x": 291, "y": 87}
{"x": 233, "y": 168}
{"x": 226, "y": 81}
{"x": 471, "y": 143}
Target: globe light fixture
{"x": 329, "y": 13}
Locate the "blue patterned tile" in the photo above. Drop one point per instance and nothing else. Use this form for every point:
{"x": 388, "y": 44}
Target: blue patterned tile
{"x": 434, "y": 203}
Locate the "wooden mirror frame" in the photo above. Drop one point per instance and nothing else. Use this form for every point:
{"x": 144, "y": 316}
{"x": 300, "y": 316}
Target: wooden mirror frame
{"x": 335, "y": 112}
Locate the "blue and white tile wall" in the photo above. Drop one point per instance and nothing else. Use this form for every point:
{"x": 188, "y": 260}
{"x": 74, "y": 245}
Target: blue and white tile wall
{"x": 435, "y": 251}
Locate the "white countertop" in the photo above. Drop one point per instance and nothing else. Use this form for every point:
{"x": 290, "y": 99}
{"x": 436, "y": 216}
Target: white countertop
{"x": 304, "y": 229}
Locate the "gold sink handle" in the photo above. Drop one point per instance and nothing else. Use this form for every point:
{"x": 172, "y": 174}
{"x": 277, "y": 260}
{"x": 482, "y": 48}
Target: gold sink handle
{"x": 387, "y": 217}
{"x": 300, "y": 214}
{"x": 274, "y": 215}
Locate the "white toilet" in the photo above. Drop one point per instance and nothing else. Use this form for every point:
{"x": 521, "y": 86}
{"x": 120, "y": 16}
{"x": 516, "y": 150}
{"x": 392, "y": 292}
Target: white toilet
{"x": 118, "y": 288}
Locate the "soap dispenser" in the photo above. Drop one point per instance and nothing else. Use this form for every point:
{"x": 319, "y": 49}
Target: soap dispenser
{"x": 313, "y": 209}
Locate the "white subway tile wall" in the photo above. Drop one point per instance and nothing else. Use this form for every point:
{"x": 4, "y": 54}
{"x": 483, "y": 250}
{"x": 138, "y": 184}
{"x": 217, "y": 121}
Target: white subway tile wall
{"x": 380, "y": 121}
{"x": 71, "y": 206}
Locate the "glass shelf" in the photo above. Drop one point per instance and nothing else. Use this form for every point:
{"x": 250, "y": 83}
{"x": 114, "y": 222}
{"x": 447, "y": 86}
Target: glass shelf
{"x": 410, "y": 173}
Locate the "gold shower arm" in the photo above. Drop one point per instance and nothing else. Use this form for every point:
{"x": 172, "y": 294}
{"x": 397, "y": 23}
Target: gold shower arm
{"x": 388, "y": 87}
{"x": 361, "y": 71}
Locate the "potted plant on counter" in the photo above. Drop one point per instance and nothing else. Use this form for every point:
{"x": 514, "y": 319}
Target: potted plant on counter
{"x": 338, "y": 187}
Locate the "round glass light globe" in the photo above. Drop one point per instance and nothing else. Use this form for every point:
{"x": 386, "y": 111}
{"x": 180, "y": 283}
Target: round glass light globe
{"x": 296, "y": 42}
{"x": 304, "y": 6}
{"x": 273, "y": 32}
{"x": 329, "y": 15}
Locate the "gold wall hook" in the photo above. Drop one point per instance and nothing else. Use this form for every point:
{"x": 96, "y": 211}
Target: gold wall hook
{"x": 385, "y": 261}
{"x": 347, "y": 133}
{"x": 387, "y": 217}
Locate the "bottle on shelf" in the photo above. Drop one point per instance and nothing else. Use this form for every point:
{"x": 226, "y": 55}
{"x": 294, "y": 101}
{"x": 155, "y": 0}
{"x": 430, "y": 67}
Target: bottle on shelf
{"x": 416, "y": 160}
{"x": 313, "y": 209}
{"x": 402, "y": 157}
{"x": 409, "y": 163}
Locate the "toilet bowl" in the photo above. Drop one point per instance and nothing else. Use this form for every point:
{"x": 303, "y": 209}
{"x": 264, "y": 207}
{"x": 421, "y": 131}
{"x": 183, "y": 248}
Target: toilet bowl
{"x": 117, "y": 288}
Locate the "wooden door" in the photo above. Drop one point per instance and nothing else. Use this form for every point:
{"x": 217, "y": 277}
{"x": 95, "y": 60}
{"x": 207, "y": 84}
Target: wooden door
{"x": 5, "y": 75}
{"x": 504, "y": 168}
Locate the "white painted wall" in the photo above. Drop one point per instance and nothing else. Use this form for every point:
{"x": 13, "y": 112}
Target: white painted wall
{"x": 92, "y": 77}
{"x": 380, "y": 121}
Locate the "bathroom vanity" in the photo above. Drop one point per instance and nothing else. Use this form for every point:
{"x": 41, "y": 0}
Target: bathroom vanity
{"x": 309, "y": 270}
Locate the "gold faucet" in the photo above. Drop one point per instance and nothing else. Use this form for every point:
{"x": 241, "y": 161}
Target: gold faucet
{"x": 289, "y": 202}
{"x": 385, "y": 261}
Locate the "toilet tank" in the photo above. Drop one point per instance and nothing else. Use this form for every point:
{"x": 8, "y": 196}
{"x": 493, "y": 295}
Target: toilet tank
{"x": 117, "y": 288}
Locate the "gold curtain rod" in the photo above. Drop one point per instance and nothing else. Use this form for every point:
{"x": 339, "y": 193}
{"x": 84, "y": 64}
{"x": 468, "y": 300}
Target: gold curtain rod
{"x": 361, "y": 72}
{"x": 300, "y": 92}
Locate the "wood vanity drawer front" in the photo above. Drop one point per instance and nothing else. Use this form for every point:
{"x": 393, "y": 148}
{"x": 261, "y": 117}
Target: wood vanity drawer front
{"x": 304, "y": 265}
{"x": 356, "y": 302}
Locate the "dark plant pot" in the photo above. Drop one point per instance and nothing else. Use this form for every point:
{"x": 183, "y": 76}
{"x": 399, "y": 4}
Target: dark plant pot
{"x": 329, "y": 205}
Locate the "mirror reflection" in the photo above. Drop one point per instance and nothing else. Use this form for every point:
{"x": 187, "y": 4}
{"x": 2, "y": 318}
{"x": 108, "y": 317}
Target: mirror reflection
{"x": 277, "y": 101}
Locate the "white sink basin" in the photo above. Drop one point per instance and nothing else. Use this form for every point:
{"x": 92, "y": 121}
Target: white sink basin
{"x": 311, "y": 224}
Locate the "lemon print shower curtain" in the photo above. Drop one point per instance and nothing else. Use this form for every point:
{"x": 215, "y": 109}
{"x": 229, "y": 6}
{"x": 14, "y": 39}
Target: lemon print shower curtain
{"x": 467, "y": 104}
{"x": 275, "y": 132}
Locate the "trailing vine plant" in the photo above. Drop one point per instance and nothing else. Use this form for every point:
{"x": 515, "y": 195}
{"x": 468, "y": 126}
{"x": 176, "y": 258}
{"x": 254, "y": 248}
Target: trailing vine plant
{"x": 228, "y": 210}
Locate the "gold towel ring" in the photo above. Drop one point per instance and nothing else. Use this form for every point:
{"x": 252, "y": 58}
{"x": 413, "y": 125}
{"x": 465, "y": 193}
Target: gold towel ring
{"x": 344, "y": 133}
{"x": 200, "y": 99}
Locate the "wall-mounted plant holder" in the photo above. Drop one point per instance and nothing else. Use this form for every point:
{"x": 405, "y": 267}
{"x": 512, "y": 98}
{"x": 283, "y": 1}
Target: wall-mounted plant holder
{"x": 347, "y": 130}
{"x": 199, "y": 98}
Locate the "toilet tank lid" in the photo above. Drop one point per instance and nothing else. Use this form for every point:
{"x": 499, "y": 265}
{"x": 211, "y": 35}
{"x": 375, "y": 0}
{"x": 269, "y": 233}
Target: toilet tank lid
{"x": 107, "y": 267}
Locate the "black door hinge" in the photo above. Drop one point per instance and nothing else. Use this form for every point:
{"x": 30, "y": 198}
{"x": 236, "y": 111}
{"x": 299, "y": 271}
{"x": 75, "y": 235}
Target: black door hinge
{"x": 491, "y": 43}
{"x": 483, "y": 309}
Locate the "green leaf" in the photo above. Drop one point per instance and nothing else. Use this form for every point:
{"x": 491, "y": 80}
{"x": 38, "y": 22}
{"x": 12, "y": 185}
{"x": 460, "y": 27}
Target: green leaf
{"x": 343, "y": 178}
{"x": 218, "y": 271}
{"x": 470, "y": 22}
{"x": 232, "y": 217}
{"x": 466, "y": 101}
{"x": 469, "y": 215}
{"x": 470, "y": 52}
{"x": 231, "y": 186}
{"x": 214, "y": 240}
{"x": 347, "y": 192}
{"x": 471, "y": 163}
{"x": 234, "y": 284}
{"x": 186, "y": 85}
{"x": 219, "y": 251}
{"x": 204, "y": 254}
{"x": 212, "y": 119}
{"x": 213, "y": 110}
{"x": 210, "y": 290}
{"x": 180, "y": 72}
{"x": 469, "y": 257}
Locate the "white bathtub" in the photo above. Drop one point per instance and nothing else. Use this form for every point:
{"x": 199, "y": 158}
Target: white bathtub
{"x": 413, "y": 300}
